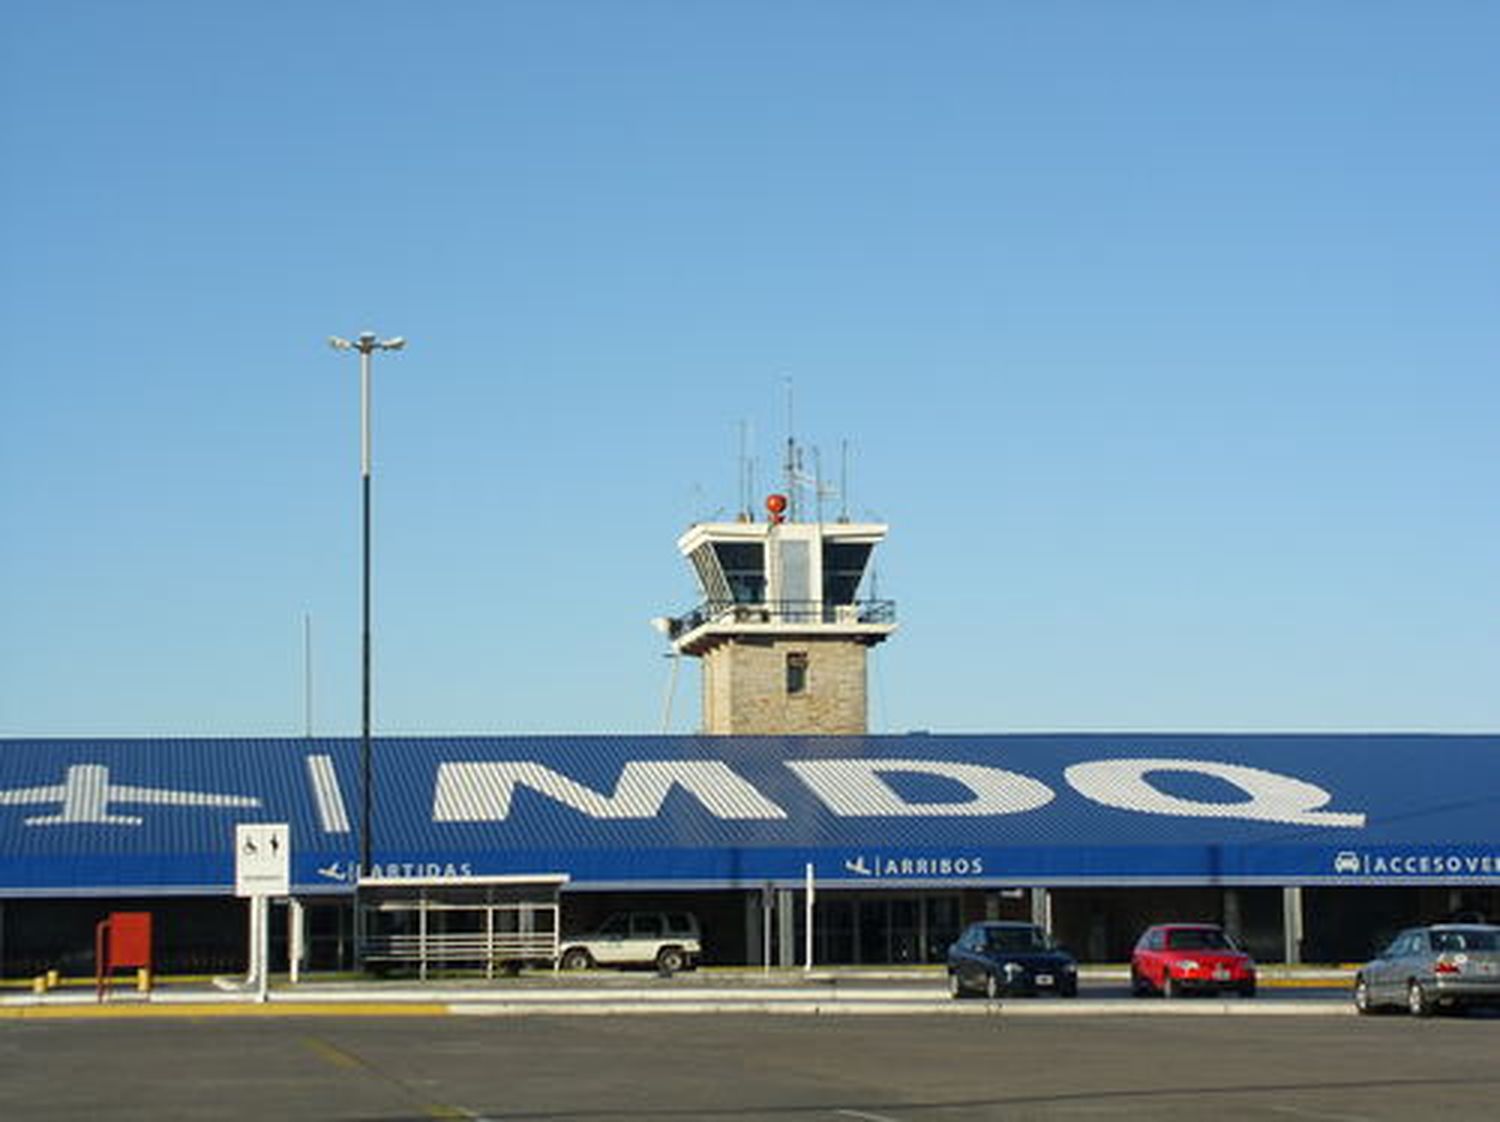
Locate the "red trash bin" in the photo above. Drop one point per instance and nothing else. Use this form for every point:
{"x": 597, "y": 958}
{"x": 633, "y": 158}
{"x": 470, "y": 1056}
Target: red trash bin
{"x": 122, "y": 940}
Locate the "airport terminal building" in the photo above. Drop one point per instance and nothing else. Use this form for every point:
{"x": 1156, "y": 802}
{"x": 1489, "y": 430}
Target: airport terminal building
{"x": 1306, "y": 847}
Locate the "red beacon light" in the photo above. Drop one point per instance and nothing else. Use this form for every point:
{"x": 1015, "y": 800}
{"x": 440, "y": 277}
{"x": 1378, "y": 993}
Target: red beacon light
{"x": 776, "y": 507}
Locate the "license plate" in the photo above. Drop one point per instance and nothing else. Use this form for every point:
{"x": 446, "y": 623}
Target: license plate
{"x": 1044, "y": 979}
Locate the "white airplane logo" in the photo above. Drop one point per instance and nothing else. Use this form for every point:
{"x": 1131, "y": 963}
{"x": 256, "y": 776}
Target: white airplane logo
{"x": 86, "y": 793}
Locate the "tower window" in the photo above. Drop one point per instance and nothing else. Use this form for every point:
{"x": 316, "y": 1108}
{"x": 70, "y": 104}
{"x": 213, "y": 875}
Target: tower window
{"x": 843, "y": 568}
{"x": 744, "y": 568}
{"x": 796, "y": 672}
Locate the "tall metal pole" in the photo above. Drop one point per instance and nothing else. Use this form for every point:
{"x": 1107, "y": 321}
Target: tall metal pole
{"x": 367, "y": 782}
{"x": 366, "y": 344}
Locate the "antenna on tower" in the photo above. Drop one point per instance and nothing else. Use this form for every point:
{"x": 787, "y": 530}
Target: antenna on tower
{"x": 791, "y": 454}
{"x": 844, "y": 481}
{"x": 752, "y": 468}
{"x": 818, "y": 490}
{"x": 746, "y": 493}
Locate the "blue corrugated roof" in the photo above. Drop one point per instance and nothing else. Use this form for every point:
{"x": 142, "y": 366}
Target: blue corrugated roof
{"x": 140, "y": 816}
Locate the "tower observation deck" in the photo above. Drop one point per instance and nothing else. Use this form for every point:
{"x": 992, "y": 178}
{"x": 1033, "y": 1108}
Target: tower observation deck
{"x": 782, "y": 629}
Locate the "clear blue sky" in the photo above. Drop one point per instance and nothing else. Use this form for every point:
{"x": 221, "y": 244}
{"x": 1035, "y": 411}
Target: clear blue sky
{"x": 1164, "y": 335}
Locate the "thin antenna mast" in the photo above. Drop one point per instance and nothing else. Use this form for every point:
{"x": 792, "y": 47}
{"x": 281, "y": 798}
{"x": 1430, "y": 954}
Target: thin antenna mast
{"x": 307, "y": 674}
{"x": 791, "y": 455}
{"x": 844, "y": 481}
{"x": 671, "y": 691}
{"x": 746, "y": 496}
{"x": 751, "y": 473}
{"x": 818, "y": 482}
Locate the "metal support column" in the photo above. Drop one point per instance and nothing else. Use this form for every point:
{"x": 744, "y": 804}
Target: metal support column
{"x": 1041, "y": 908}
{"x": 756, "y": 927}
{"x": 786, "y": 927}
{"x": 1234, "y": 920}
{"x": 1291, "y": 922}
{"x": 296, "y": 938}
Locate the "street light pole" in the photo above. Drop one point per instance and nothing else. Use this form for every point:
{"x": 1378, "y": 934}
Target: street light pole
{"x": 366, "y": 344}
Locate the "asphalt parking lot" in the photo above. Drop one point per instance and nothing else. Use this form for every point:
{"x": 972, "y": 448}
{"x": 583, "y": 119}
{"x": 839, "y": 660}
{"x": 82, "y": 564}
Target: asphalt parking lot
{"x": 740, "y": 1068}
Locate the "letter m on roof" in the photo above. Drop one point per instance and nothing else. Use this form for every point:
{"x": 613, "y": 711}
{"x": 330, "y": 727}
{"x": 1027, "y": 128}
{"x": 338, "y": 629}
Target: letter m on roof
{"x": 483, "y": 791}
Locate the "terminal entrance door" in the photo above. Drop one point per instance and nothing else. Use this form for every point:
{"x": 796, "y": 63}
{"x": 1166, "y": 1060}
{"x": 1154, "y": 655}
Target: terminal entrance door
{"x": 881, "y": 929}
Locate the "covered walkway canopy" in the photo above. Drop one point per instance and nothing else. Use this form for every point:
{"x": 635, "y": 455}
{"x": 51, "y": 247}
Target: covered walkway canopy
{"x": 144, "y": 817}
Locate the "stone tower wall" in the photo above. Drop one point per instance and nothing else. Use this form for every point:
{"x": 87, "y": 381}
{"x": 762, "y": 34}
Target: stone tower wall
{"x": 745, "y": 688}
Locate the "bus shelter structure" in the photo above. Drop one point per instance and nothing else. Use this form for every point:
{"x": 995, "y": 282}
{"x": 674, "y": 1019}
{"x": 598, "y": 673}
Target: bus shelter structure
{"x": 451, "y": 923}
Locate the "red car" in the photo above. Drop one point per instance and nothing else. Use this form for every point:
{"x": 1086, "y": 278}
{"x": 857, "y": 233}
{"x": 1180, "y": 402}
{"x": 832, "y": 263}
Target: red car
{"x": 1174, "y": 958}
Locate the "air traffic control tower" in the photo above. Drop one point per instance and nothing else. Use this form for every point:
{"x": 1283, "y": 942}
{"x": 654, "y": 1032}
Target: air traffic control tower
{"x": 782, "y": 631}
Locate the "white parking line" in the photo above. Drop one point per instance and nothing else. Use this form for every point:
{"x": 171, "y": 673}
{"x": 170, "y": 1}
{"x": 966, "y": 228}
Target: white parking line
{"x": 866, "y": 1116}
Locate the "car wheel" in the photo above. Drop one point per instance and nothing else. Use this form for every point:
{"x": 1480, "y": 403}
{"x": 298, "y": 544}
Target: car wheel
{"x": 1417, "y": 1001}
{"x": 956, "y": 988}
{"x": 1069, "y": 989}
{"x": 1362, "y": 1003}
{"x": 669, "y": 960}
{"x": 576, "y": 958}
{"x": 1139, "y": 987}
{"x": 992, "y": 987}
{"x": 1247, "y": 989}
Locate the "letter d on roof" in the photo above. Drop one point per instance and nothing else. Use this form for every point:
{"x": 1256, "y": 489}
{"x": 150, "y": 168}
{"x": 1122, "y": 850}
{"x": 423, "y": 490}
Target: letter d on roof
{"x": 1272, "y": 797}
{"x": 855, "y": 789}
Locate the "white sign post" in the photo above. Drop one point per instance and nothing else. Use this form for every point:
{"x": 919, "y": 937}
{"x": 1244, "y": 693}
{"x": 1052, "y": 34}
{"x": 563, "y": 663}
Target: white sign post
{"x": 262, "y": 869}
{"x": 807, "y": 926}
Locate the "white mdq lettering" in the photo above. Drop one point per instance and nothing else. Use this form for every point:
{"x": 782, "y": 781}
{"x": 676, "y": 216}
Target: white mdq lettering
{"x": 1126, "y": 784}
{"x": 855, "y": 789}
{"x": 482, "y": 792}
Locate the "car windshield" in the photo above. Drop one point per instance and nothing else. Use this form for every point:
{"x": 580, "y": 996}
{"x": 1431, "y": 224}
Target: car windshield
{"x": 1016, "y": 939}
{"x": 1465, "y": 940}
{"x": 1197, "y": 939}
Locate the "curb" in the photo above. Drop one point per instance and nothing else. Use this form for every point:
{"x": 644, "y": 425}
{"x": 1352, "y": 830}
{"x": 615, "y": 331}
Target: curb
{"x": 844, "y": 1002}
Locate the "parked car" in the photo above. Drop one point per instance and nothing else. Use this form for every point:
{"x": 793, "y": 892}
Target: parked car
{"x": 670, "y": 941}
{"x": 1448, "y": 965}
{"x": 1175, "y": 958}
{"x": 996, "y": 958}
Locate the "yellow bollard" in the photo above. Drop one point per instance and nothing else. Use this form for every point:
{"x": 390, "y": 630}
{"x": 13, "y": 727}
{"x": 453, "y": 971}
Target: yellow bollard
{"x": 39, "y": 984}
{"x": 54, "y": 979}
{"x": 143, "y": 980}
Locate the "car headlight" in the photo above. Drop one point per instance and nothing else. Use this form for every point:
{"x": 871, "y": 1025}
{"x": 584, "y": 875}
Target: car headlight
{"x": 1187, "y": 965}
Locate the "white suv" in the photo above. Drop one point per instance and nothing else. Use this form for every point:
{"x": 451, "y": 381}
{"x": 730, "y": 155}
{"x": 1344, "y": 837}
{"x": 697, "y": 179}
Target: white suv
{"x": 667, "y": 940}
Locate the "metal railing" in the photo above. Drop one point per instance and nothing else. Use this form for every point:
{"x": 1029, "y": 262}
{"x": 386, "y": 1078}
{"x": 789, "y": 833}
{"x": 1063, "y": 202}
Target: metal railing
{"x": 474, "y": 947}
{"x": 783, "y": 611}
{"x": 426, "y": 933}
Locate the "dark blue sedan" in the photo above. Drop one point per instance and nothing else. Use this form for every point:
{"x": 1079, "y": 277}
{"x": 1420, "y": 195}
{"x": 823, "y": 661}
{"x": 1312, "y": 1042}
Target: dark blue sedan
{"x": 996, "y": 958}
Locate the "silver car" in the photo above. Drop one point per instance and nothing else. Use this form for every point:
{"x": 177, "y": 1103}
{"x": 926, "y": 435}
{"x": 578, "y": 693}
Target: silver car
{"x": 1448, "y": 965}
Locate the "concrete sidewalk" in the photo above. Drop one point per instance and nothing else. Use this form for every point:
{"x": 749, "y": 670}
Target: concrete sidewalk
{"x": 818, "y": 992}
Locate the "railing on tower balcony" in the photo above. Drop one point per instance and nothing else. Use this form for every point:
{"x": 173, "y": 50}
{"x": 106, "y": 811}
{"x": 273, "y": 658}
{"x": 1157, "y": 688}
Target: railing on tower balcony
{"x": 783, "y": 611}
